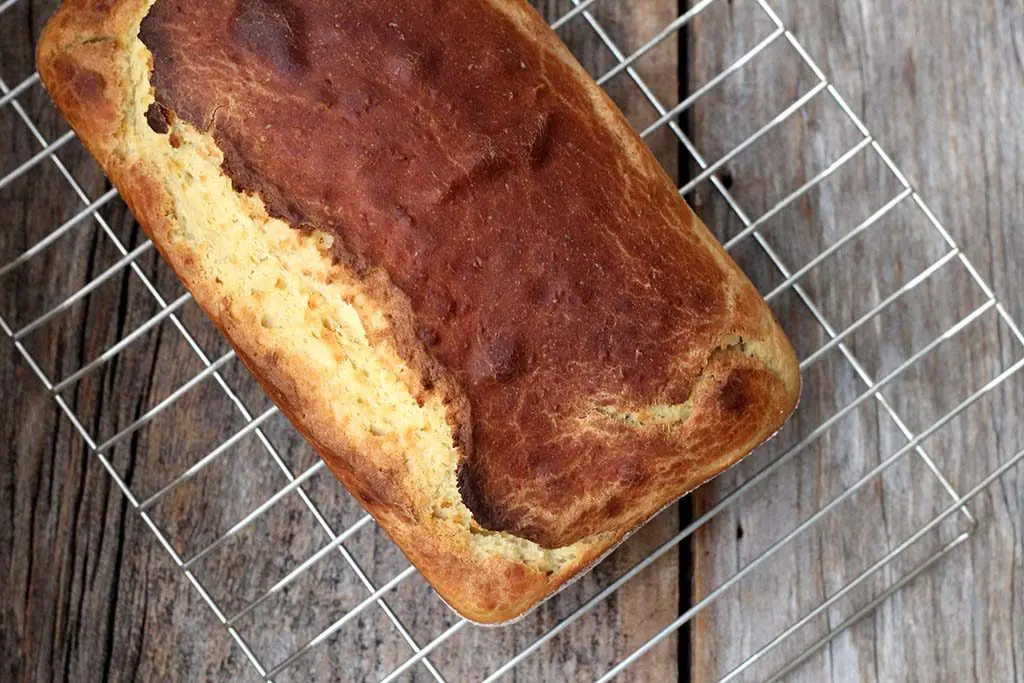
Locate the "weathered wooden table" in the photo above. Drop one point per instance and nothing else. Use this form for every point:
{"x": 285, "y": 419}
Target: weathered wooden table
{"x": 88, "y": 594}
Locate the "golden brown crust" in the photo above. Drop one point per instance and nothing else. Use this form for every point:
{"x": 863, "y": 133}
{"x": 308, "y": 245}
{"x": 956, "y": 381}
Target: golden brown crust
{"x": 719, "y": 376}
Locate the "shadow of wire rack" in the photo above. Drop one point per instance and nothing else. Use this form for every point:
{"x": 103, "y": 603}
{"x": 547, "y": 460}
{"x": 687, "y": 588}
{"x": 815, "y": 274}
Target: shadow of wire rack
{"x": 258, "y": 586}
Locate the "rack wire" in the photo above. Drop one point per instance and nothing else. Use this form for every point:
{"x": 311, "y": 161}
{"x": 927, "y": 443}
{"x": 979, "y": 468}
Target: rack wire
{"x": 783, "y": 651}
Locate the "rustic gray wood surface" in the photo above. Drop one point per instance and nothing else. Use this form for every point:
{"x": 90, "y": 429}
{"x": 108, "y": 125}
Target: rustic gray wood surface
{"x": 88, "y": 594}
{"x": 941, "y": 85}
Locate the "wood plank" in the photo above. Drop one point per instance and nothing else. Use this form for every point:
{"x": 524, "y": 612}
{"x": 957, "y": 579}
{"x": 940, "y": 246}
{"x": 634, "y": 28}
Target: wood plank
{"x": 939, "y": 84}
{"x": 88, "y": 595}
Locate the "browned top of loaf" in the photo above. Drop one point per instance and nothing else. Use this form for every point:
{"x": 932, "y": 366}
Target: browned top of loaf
{"x": 536, "y": 263}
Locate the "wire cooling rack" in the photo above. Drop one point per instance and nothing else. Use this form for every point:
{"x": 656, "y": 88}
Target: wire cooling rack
{"x": 939, "y": 517}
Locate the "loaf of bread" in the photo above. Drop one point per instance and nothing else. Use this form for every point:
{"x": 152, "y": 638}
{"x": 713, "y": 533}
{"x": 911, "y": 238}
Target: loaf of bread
{"x": 445, "y": 255}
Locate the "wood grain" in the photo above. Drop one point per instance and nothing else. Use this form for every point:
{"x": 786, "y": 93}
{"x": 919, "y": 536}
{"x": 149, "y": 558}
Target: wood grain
{"x": 88, "y": 594}
{"x": 939, "y": 85}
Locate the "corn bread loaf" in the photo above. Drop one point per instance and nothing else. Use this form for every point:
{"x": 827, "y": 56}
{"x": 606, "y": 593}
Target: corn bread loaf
{"x": 445, "y": 255}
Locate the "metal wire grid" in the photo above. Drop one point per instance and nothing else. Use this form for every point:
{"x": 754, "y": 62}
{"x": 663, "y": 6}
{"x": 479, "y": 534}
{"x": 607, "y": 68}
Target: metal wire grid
{"x": 375, "y": 594}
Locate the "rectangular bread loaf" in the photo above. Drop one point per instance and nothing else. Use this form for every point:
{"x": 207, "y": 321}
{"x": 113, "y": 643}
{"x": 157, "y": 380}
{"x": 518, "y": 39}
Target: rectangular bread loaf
{"x": 445, "y": 255}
